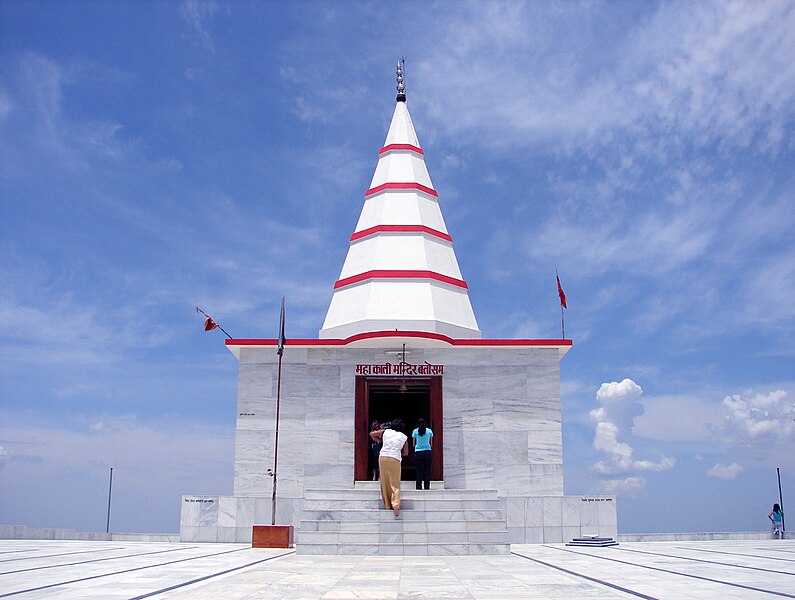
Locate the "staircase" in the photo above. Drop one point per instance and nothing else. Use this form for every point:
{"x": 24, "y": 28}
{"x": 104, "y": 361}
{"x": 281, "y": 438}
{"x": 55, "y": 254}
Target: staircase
{"x": 431, "y": 522}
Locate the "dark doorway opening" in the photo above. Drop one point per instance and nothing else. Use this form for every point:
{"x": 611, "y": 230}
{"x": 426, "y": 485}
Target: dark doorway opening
{"x": 408, "y": 399}
{"x": 387, "y": 402}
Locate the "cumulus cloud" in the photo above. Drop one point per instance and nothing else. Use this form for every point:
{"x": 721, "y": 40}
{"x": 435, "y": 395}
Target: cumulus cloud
{"x": 721, "y": 471}
{"x": 618, "y": 408}
{"x": 754, "y": 419}
{"x": 619, "y": 402}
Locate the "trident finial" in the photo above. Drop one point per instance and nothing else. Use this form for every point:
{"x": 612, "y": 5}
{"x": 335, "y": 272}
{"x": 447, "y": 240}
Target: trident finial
{"x": 401, "y": 97}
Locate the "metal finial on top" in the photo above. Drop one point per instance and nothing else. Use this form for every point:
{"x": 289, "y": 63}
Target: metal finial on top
{"x": 401, "y": 97}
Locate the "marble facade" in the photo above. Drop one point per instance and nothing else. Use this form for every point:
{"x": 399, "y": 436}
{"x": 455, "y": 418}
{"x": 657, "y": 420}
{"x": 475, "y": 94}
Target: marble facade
{"x": 502, "y": 431}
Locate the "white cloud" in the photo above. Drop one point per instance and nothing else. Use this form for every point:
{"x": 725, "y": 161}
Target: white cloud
{"x": 45, "y": 81}
{"x": 618, "y": 408}
{"x": 776, "y": 276}
{"x": 618, "y": 403}
{"x": 44, "y": 322}
{"x": 196, "y": 13}
{"x": 721, "y": 471}
{"x": 622, "y": 486}
{"x": 662, "y": 418}
{"x": 665, "y": 115}
{"x": 679, "y": 265}
{"x": 606, "y": 441}
{"x": 718, "y": 73}
{"x": 757, "y": 419}
{"x": 41, "y": 134}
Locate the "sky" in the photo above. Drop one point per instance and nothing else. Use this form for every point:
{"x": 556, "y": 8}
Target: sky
{"x": 155, "y": 156}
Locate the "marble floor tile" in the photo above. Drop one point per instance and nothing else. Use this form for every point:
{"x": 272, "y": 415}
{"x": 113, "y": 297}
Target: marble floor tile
{"x": 32, "y": 570}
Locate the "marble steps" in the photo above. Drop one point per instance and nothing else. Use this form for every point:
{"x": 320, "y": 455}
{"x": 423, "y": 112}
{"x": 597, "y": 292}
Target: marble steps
{"x": 405, "y": 549}
{"x": 431, "y": 522}
{"x": 375, "y": 485}
{"x": 378, "y": 514}
{"x": 387, "y": 523}
{"x": 396, "y": 537}
{"x": 373, "y": 493}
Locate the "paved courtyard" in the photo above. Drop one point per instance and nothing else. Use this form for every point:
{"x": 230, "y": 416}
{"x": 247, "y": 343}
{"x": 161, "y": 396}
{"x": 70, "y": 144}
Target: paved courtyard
{"x": 76, "y": 569}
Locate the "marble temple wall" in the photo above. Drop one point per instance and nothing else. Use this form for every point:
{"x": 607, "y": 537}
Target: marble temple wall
{"x": 502, "y": 431}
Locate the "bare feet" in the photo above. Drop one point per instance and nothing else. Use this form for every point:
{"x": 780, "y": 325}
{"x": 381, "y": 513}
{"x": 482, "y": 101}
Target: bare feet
{"x": 397, "y": 511}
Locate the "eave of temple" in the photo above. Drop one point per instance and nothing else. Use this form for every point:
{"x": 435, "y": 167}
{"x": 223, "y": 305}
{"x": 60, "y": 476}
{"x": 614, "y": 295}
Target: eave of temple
{"x": 413, "y": 339}
{"x": 401, "y": 272}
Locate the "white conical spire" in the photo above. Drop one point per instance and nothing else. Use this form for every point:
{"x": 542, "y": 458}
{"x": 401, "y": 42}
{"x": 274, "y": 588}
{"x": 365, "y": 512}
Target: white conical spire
{"x": 400, "y": 272}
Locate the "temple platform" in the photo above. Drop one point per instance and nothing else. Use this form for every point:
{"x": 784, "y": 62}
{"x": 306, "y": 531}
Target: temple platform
{"x": 32, "y": 569}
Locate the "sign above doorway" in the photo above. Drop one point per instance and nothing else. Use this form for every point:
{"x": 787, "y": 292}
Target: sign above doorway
{"x": 401, "y": 368}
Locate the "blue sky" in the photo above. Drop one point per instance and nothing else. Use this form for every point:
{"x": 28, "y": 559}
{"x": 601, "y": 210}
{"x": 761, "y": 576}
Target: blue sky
{"x": 160, "y": 155}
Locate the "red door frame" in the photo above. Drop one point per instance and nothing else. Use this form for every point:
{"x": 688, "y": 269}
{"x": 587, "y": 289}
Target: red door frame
{"x": 361, "y": 447}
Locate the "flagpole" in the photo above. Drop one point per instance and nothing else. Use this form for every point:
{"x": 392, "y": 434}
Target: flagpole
{"x": 280, "y": 352}
{"x": 110, "y": 493}
{"x": 562, "y": 324}
{"x": 780, "y": 500}
{"x": 276, "y": 448}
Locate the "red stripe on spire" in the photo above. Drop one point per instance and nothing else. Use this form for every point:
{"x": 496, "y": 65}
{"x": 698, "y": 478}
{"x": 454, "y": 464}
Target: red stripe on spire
{"x": 409, "y": 185}
{"x": 411, "y": 147}
{"x": 400, "y": 229}
{"x": 389, "y": 274}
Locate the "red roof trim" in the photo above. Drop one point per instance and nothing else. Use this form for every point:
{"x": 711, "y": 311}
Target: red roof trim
{"x": 389, "y": 274}
{"x": 405, "y": 185}
{"x": 388, "y": 334}
{"x": 400, "y": 229}
{"x": 411, "y": 147}
{"x": 512, "y": 342}
{"x": 369, "y": 335}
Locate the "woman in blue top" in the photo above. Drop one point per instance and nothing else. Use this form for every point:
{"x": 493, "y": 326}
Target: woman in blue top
{"x": 776, "y": 517}
{"x": 421, "y": 438}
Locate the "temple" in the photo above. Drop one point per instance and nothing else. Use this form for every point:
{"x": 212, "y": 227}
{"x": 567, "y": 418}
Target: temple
{"x": 400, "y": 340}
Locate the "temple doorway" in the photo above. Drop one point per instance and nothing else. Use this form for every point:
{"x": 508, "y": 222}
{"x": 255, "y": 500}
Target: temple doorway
{"x": 384, "y": 399}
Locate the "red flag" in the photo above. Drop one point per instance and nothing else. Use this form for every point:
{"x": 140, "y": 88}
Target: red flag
{"x": 209, "y": 324}
{"x": 561, "y": 293}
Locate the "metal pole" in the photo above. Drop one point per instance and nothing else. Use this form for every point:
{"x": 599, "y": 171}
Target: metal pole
{"x": 276, "y": 441}
{"x": 780, "y": 499}
{"x": 110, "y": 493}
